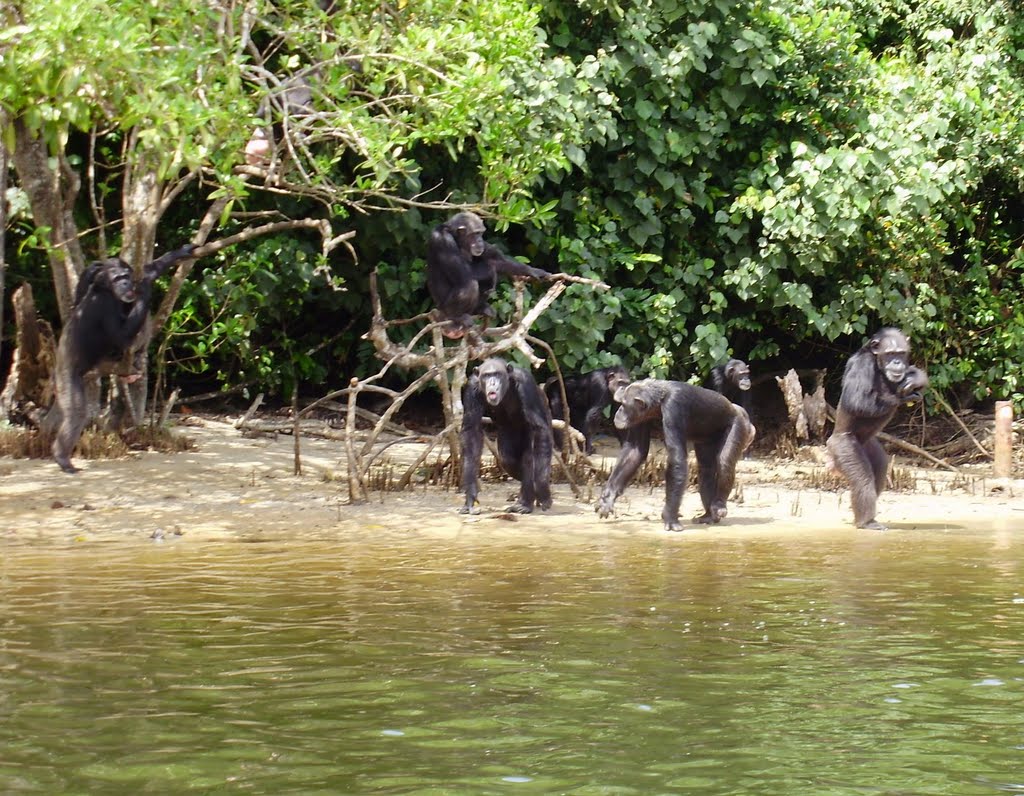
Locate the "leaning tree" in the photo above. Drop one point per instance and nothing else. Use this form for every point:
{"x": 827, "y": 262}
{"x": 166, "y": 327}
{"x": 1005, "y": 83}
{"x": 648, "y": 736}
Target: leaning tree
{"x": 119, "y": 122}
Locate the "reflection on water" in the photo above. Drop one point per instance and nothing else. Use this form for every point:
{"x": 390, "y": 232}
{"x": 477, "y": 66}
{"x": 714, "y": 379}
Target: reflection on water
{"x": 863, "y": 663}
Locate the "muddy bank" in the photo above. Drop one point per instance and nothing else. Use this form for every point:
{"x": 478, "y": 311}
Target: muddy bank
{"x": 235, "y": 487}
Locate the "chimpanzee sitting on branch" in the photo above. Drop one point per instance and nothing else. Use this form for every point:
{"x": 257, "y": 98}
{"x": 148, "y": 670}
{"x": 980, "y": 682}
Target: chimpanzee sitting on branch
{"x": 876, "y": 381}
{"x": 513, "y": 401}
{"x": 462, "y": 270}
{"x": 718, "y": 429}
{"x": 111, "y": 308}
{"x": 588, "y": 394}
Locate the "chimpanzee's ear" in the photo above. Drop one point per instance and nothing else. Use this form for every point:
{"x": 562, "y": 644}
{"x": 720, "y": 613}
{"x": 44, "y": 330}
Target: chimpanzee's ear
{"x": 508, "y": 367}
{"x": 476, "y": 371}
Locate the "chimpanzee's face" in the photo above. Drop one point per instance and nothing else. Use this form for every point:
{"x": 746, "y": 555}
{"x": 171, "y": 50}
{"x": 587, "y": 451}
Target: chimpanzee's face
{"x": 636, "y": 406}
{"x": 618, "y": 379}
{"x": 472, "y": 241}
{"x": 468, "y": 229}
{"x": 891, "y": 353}
{"x": 494, "y": 381}
{"x": 118, "y": 278}
{"x": 739, "y": 375}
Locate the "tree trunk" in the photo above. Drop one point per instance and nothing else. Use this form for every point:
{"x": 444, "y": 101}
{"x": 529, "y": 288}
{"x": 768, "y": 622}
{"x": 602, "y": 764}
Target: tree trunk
{"x": 29, "y": 388}
{"x": 3, "y": 225}
{"x": 793, "y": 394}
{"x": 141, "y": 212}
{"x": 51, "y": 194}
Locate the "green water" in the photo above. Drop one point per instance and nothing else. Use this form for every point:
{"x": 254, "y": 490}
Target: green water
{"x": 388, "y": 663}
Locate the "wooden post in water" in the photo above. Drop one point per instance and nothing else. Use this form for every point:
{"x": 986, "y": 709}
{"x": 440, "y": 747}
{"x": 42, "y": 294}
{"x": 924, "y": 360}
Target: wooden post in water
{"x": 1003, "y": 459}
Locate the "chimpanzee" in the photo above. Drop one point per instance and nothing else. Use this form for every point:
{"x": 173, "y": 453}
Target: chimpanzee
{"x": 718, "y": 429}
{"x": 462, "y": 270}
{"x": 511, "y": 398}
{"x": 293, "y": 100}
{"x": 733, "y": 381}
{"x": 111, "y": 308}
{"x": 588, "y": 394}
{"x": 877, "y": 379}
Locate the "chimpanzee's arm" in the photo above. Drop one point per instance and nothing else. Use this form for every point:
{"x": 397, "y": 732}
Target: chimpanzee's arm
{"x": 634, "y": 452}
{"x": 913, "y": 385}
{"x": 506, "y": 265}
{"x": 159, "y": 266}
{"x": 866, "y": 393}
{"x": 446, "y": 258}
{"x": 122, "y": 330}
{"x": 472, "y": 439}
{"x": 119, "y": 329}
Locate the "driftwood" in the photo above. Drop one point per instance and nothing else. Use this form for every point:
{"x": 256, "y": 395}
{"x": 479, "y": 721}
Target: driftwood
{"x": 321, "y": 428}
{"x": 29, "y": 388}
{"x": 917, "y": 451}
{"x": 949, "y": 409}
{"x": 792, "y": 392}
{"x": 815, "y": 408}
{"x": 1002, "y": 441}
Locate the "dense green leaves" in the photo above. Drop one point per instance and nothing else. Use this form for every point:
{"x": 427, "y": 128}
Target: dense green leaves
{"x": 756, "y": 179}
{"x": 803, "y": 171}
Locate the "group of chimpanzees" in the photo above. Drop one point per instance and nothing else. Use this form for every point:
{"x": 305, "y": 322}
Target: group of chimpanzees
{"x": 462, "y": 271}
{"x": 111, "y": 308}
{"x": 719, "y": 431}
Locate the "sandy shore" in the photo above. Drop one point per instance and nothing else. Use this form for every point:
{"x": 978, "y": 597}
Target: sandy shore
{"x": 235, "y": 486}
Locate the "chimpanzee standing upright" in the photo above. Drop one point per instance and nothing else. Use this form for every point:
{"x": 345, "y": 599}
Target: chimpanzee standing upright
{"x": 718, "y": 429}
{"x": 462, "y": 270}
{"x": 111, "y": 308}
{"x": 513, "y": 401}
{"x": 877, "y": 379}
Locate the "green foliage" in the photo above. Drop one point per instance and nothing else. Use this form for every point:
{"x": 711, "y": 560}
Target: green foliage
{"x": 749, "y": 178}
{"x": 261, "y": 315}
{"x": 794, "y": 171}
{"x": 133, "y": 65}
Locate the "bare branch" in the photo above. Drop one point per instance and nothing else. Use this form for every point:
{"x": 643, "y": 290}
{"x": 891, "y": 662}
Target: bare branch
{"x": 320, "y": 224}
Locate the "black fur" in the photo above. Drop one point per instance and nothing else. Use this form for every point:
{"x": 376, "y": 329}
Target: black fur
{"x": 877, "y": 379}
{"x": 517, "y": 409}
{"x": 718, "y": 429}
{"x": 588, "y": 394}
{"x": 111, "y": 308}
{"x": 462, "y": 270}
{"x": 731, "y": 380}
